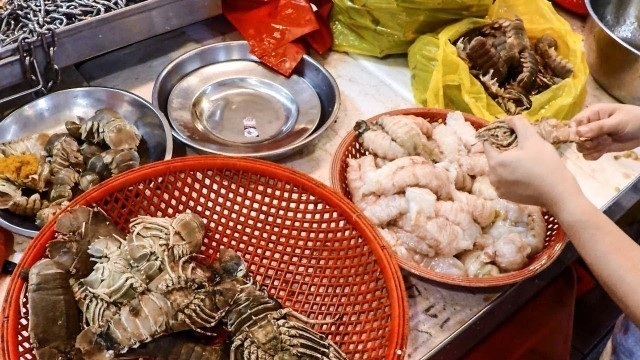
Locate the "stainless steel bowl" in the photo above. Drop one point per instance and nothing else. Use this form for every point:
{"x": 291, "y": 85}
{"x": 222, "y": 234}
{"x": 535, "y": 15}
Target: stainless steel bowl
{"x": 308, "y": 70}
{"x": 612, "y": 45}
{"x": 49, "y": 113}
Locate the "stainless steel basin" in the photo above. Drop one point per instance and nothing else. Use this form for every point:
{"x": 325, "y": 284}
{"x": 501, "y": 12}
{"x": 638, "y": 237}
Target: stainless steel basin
{"x": 612, "y": 45}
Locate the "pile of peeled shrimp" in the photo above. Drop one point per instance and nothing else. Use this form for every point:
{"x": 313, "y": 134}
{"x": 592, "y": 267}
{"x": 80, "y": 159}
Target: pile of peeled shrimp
{"x": 425, "y": 186}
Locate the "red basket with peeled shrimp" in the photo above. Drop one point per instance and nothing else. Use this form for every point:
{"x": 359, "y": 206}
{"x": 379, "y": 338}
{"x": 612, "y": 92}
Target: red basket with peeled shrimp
{"x": 305, "y": 244}
{"x": 554, "y": 239}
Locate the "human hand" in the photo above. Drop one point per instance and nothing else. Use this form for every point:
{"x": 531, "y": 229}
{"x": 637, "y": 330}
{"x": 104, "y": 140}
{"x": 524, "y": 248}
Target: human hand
{"x": 609, "y": 128}
{"x": 532, "y": 173}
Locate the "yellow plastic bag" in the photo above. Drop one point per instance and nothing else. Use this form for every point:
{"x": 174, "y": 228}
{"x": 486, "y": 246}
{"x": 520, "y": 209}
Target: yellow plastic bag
{"x": 441, "y": 79}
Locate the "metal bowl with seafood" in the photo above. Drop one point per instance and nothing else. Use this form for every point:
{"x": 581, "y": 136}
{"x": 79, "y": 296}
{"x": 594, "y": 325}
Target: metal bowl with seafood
{"x": 420, "y": 176}
{"x": 117, "y": 131}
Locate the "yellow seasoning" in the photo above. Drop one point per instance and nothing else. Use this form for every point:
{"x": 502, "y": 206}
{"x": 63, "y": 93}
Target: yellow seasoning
{"x": 18, "y": 167}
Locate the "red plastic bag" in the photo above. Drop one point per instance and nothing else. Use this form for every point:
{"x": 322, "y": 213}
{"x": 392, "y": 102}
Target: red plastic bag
{"x": 276, "y": 29}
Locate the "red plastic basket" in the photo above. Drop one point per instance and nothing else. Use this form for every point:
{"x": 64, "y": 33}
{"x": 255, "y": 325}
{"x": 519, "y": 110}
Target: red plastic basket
{"x": 306, "y": 244}
{"x": 555, "y": 240}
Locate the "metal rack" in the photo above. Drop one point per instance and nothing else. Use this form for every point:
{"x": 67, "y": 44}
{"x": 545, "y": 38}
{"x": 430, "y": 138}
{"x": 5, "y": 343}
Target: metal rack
{"x": 98, "y": 35}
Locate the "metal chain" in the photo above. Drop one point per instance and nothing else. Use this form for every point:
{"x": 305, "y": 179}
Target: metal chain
{"x": 25, "y": 22}
{"x": 29, "y": 19}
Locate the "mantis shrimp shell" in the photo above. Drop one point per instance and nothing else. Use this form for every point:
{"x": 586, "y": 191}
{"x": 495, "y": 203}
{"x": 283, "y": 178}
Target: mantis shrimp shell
{"x": 54, "y": 319}
{"x": 485, "y": 58}
{"x": 546, "y": 47}
{"x": 108, "y": 127}
{"x": 259, "y": 326}
{"x": 28, "y": 206}
{"x": 8, "y": 193}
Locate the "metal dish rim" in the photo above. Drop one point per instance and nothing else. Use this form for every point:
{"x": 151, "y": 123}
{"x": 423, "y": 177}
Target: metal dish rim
{"x": 594, "y": 17}
{"x": 262, "y": 155}
{"x": 165, "y": 125}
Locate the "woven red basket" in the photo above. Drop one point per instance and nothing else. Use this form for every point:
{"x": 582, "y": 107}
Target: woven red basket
{"x": 555, "y": 239}
{"x": 303, "y": 242}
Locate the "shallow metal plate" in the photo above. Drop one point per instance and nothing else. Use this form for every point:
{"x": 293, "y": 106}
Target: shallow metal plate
{"x": 49, "y": 113}
{"x": 241, "y": 107}
{"x": 308, "y": 69}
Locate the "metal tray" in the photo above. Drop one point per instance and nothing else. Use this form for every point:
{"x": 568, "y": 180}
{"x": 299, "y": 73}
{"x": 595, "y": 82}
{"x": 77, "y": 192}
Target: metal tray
{"x": 308, "y": 70}
{"x": 96, "y": 36}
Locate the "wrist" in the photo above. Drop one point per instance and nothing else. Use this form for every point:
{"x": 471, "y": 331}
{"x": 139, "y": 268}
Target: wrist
{"x": 566, "y": 202}
{"x": 565, "y": 198}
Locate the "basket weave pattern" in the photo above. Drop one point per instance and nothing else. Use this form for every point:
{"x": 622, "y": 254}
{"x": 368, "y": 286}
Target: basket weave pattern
{"x": 350, "y": 148}
{"x": 301, "y": 241}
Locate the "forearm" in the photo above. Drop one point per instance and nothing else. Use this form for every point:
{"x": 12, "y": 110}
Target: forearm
{"x": 612, "y": 256}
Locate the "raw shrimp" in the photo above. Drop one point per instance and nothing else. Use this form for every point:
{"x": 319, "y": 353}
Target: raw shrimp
{"x": 421, "y": 202}
{"x": 357, "y": 169}
{"x": 406, "y": 133}
{"x": 459, "y": 178}
{"x": 465, "y": 131}
{"x": 380, "y": 162}
{"x": 474, "y": 164}
{"x": 483, "y": 211}
{"x": 536, "y": 229}
{"x": 445, "y": 265}
{"x": 372, "y": 178}
{"x": 475, "y": 265}
{"x": 389, "y": 236}
{"x": 513, "y": 212}
{"x": 379, "y": 142}
{"x": 415, "y": 244}
{"x": 386, "y": 208}
{"x": 421, "y": 175}
{"x": 448, "y": 142}
{"x": 482, "y": 187}
{"x": 460, "y": 215}
{"x": 447, "y": 237}
{"x": 508, "y": 252}
{"x": 423, "y": 124}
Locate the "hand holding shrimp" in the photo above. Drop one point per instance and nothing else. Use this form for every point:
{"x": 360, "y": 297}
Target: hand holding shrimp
{"x": 522, "y": 174}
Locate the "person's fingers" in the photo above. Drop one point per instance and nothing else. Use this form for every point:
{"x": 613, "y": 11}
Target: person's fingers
{"x": 596, "y": 144}
{"x": 594, "y": 113}
{"x": 598, "y": 128}
{"x": 593, "y": 155}
{"x": 523, "y": 128}
{"x": 490, "y": 152}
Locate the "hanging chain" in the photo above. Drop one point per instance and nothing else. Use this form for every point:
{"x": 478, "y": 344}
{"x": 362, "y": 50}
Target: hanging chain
{"x": 32, "y": 18}
{"x": 27, "y": 22}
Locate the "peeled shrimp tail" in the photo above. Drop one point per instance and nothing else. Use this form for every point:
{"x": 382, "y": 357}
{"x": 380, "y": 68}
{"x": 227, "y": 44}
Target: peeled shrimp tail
{"x": 357, "y": 170}
{"x": 475, "y": 265}
{"x": 464, "y": 130}
{"x": 483, "y": 211}
{"x": 381, "y": 144}
{"x": 474, "y": 164}
{"x": 444, "y": 236}
{"x": 448, "y": 142}
{"x": 386, "y": 208}
{"x": 509, "y": 252}
{"x": 423, "y": 124}
{"x": 536, "y": 229}
{"x": 421, "y": 175}
{"x": 482, "y": 187}
{"x": 373, "y": 178}
{"x": 404, "y": 132}
{"x": 422, "y": 203}
{"x": 459, "y": 214}
{"x": 414, "y": 243}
